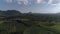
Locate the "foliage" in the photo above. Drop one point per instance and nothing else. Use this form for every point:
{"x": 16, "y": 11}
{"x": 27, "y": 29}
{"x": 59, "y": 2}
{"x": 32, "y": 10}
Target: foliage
{"x": 37, "y": 30}
{"x": 15, "y": 22}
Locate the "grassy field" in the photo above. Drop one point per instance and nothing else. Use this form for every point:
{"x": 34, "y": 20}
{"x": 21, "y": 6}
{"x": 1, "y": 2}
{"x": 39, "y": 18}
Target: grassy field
{"x": 56, "y": 27}
{"x": 36, "y": 27}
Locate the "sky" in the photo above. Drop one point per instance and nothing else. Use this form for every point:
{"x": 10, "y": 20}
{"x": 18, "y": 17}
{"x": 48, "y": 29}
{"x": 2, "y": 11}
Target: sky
{"x": 34, "y": 6}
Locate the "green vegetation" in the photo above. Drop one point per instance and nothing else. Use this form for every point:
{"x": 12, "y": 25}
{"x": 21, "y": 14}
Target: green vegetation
{"x": 15, "y": 22}
{"x": 37, "y": 30}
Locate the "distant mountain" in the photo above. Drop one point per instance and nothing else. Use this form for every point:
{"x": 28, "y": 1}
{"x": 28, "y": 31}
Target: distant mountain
{"x": 9, "y": 13}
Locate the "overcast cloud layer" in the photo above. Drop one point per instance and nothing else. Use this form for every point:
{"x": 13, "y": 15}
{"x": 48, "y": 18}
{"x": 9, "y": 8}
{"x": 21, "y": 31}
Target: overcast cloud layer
{"x": 54, "y": 2}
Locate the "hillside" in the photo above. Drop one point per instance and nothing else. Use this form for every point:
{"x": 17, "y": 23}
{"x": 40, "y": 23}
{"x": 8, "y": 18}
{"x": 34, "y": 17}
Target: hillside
{"x": 15, "y": 22}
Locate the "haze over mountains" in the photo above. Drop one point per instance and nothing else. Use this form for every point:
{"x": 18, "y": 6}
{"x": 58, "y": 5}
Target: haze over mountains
{"x": 18, "y": 12}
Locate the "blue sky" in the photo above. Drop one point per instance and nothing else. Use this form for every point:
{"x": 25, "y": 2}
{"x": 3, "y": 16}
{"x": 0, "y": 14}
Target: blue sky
{"x": 35, "y": 6}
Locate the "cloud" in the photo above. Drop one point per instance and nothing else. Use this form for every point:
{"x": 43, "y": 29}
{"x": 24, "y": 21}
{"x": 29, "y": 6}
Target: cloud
{"x": 39, "y": 1}
{"x": 20, "y": 1}
{"x": 49, "y": 2}
{"x": 17, "y": 1}
{"x": 9, "y": 1}
{"x": 53, "y": 2}
{"x": 26, "y": 1}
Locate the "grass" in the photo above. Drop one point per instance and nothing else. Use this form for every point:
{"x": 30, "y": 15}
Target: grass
{"x": 34, "y": 29}
{"x": 37, "y": 30}
{"x": 56, "y": 28}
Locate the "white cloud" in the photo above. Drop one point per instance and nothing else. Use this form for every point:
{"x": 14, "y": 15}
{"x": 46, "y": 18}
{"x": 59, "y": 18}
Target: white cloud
{"x": 25, "y": 1}
{"x": 20, "y": 1}
{"x": 50, "y": 1}
{"x": 39, "y": 1}
{"x": 54, "y": 2}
